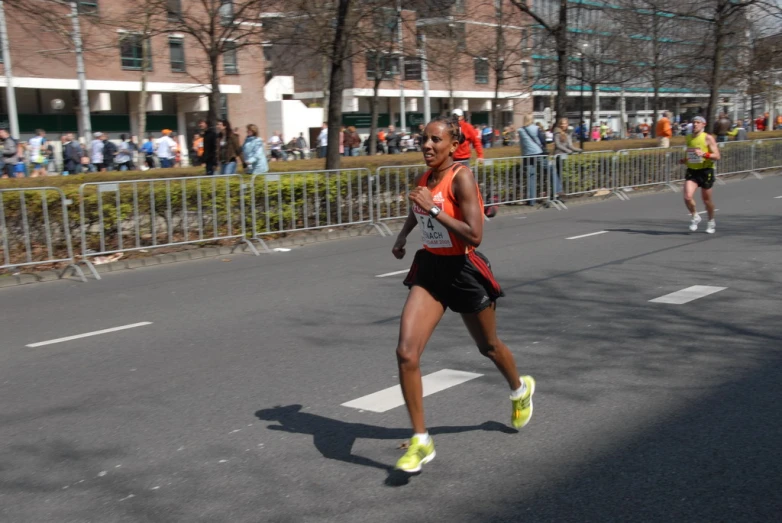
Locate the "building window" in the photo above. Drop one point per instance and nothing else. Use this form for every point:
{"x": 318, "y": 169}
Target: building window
{"x": 174, "y": 8}
{"x": 176, "y": 47}
{"x": 131, "y": 51}
{"x": 88, "y": 8}
{"x": 481, "y": 71}
{"x": 226, "y": 12}
{"x": 412, "y": 68}
{"x": 381, "y": 65}
{"x": 524, "y": 72}
{"x": 230, "y": 64}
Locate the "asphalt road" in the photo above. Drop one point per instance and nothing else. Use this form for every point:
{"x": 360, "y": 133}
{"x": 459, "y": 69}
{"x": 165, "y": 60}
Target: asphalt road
{"x": 227, "y": 406}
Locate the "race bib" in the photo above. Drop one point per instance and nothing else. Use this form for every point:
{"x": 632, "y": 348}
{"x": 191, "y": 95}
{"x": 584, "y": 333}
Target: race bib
{"x": 692, "y": 156}
{"x": 433, "y": 233}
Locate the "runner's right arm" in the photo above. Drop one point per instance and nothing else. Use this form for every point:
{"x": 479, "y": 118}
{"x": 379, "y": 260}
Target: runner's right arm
{"x": 399, "y": 245}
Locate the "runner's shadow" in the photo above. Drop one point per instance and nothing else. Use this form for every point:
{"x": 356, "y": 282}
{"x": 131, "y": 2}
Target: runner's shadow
{"x": 334, "y": 439}
{"x": 651, "y": 232}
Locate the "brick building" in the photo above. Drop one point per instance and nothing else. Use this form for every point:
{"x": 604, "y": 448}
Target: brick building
{"x": 47, "y": 89}
{"x": 456, "y": 41}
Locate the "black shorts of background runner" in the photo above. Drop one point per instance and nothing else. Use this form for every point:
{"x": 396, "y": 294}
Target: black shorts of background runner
{"x": 464, "y": 283}
{"x": 703, "y": 177}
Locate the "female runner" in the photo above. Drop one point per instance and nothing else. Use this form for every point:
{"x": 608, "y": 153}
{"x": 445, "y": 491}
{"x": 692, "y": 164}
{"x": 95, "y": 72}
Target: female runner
{"x": 448, "y": 272}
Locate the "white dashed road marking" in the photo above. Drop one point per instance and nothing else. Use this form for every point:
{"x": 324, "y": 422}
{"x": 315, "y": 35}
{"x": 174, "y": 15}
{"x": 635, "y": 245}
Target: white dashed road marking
{"x": 392, "y": 273}
{"x": 586, "y": 235}
{"x": 391, "y": 397}
{"x": 687, "y": 295}
{"x": 88, "y": 334}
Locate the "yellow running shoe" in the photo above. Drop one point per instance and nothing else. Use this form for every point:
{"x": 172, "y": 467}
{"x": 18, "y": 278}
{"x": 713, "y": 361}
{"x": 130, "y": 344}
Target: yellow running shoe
{"x": 522, "y": 407}
{"x": 417, "y": 454}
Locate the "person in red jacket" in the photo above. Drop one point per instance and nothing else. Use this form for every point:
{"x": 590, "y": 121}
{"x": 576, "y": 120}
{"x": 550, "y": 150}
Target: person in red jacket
{"x": 463, "y": 153}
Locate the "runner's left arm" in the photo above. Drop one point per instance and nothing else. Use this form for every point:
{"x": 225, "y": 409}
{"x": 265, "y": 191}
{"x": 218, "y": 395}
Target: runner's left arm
{"x": 714, "y": 150}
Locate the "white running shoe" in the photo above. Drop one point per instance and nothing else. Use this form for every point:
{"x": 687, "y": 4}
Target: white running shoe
{"x": 711, "y": 227}
{"x": 696, "y": 219}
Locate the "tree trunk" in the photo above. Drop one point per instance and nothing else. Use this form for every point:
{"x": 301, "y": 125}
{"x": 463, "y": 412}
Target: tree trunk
{"x": 336, "y": 83}
{"x": 373, "y": 107}
{"x": 716, "y": 71}
{"x": 592, "y": 114}
{"x": 214, "y": 97}
{"x": 561, "y": 39}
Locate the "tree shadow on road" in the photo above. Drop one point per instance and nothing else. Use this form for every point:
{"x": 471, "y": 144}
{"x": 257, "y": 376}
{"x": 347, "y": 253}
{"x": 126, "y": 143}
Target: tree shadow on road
{"x": 651, "y": 232}
{"x": 334, "y": 438}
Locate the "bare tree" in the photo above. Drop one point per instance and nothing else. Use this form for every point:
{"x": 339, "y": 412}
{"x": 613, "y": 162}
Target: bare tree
{"x": 499, "y": 43}
{"x": 726, "y": 19}
{"x": 220, "y": 29}
{"x": 554, "y": 23}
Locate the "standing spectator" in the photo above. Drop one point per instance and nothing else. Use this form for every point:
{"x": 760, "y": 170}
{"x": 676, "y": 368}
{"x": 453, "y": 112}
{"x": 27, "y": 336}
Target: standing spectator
{"x": 253, "y": 153}
{"x": 471, "y": 136}
{"x": 71, "y": 156}
{"x": 563, "y": 146}
{"x": 37, "y": 148}
{"x": 165, "y": 148}
{"x": 198, "y": 148}
{"x": 644, "y": 129}
{"x": 603, "y": 130}
{"x": 342, "y": 141}
{"x": 275, "y": 144}
{"x": 663, "y": 130}
{"x": 230, "y": 150}
{"x": 352, "y": 142}
{"x": 209, "y": 154}
{"x": 124, "y": 158}
{"x": 486, "y": 134}
{"x": 392, "y": 140}
{"x": 96, "y": 153}
{"x": 722, "y": 127}
{"x": 9, "y": 154}
{"x": 533, "y": 152}
{"x": 323, "y": 141}
{"x": 595, "y": 133}
{"x": 381, "y": 142}
{"x": 301, "y": 143}
{"x": 148, "y": 148}
{"x": 109, "y": 152}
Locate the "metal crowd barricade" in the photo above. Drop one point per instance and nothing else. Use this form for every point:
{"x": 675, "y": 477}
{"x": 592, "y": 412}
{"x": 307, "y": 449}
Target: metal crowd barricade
{"x": 392, "y": 186}
{"x": 35, "y": 229}
{"x": 133, "y": 215}
{"x": 735, "y": 157}
{"x": 767, "y": 154}
{"x": 651, "y": 166}
{"x": 588, "y": 172}
{"x": 516, "y": 179}
{"x": 310, "y": 200}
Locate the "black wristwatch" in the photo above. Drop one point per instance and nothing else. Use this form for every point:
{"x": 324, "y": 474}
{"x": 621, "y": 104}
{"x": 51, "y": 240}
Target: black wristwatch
{"x": 434, "y": 211}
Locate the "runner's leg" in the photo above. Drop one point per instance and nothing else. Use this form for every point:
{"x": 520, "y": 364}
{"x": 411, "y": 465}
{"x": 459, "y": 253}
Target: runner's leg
{"x": 708, "y": 202}
{"x": 483, "y": 329}
{"x": 420, "y": 316}
{"x": 689, "y": 195}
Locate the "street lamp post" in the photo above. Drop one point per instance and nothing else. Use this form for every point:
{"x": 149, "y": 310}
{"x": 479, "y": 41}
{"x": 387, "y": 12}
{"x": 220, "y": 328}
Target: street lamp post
{"x": 581, "y": 100}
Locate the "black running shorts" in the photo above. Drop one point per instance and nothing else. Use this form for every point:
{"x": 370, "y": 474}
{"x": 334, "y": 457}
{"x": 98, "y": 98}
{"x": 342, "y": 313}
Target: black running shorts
{"x": 703, "y": 177}
{"x": 464, "y": 283}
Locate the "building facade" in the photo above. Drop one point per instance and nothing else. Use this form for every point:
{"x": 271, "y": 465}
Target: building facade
{"x": 44, "y": 73}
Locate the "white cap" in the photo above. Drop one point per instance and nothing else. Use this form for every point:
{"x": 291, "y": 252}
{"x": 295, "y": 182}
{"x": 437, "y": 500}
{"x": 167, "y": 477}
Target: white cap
{"x": 458, "y": 112}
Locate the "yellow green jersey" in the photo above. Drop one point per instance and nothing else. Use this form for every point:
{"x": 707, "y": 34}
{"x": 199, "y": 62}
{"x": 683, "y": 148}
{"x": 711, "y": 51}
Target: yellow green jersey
{"x": 694, "y": 142}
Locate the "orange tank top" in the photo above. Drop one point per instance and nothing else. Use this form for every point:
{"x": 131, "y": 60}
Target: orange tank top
{"x": 436, "y": 238}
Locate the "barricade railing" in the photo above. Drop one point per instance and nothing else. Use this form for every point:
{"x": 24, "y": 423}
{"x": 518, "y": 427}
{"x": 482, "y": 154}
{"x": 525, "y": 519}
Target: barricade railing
{"x": 735, "y": 157}
{"x": 136, "y": 215}
{"x": 516, "y": 179}
{"x": 650, "y": 166}
{"x": 588, "y": 172}
{"x": 767, "y": 154}
{"x": 392, "y": 185}
{"x": 310, "y": 200}
{"x": 35, "y": 229}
